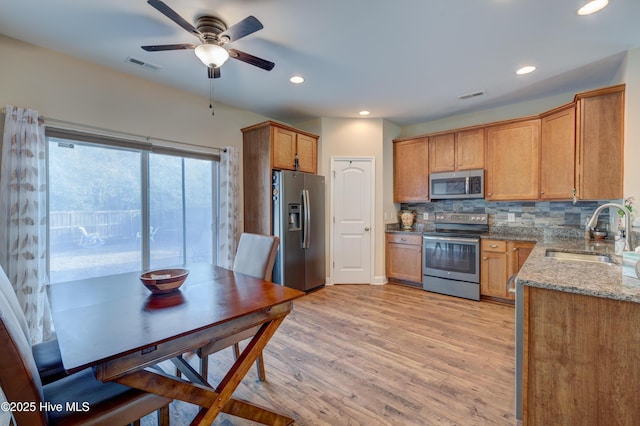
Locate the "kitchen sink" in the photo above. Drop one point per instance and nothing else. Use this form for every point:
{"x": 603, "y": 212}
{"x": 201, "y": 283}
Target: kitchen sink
{"x": 580, "y": 257}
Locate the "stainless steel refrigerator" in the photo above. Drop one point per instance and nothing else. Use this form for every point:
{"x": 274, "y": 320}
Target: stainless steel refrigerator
{"x": 298, "y": 219}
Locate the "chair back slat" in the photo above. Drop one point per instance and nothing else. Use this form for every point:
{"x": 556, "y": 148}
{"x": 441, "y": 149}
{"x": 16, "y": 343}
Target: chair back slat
{"x": 256, "y": 255}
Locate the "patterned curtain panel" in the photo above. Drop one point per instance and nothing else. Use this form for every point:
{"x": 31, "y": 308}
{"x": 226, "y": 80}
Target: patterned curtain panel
{"x": 230, "y": 216}
{"x": 23, "y": 218}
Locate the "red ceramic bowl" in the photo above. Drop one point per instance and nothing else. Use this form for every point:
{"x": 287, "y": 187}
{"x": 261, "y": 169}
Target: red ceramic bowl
{"x": 161, "y": 281}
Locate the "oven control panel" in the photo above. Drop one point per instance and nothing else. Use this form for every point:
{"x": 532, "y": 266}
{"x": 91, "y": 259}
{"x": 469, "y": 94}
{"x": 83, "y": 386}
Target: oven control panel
{"x": 480, "y": 218}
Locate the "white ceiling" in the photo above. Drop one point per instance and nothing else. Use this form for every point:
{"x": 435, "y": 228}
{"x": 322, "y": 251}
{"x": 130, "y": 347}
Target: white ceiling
{"x": 405, "y": 60}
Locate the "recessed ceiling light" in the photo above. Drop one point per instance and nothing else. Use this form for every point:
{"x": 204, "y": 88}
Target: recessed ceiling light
{"x": 364, "y": 113}
{"x": 297, "y": 79}
{"x": 526, "y": 70}
{"x": 592, "y": 7}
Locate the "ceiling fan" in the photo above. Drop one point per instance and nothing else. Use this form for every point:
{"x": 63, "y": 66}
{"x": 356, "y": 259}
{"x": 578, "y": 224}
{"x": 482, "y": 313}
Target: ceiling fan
{"x": 213, "y": 34}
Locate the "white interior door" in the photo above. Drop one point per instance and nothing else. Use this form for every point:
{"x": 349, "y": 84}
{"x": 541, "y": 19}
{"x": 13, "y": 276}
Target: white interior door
{"x": 352, "y": 207}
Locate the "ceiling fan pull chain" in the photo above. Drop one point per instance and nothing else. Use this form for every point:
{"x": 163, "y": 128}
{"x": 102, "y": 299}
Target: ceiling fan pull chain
{"x": 211, "y": 96}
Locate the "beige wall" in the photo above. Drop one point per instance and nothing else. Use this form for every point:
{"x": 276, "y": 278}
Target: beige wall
{"x": 65, "y": 88}
{"x": 343, "y": 137}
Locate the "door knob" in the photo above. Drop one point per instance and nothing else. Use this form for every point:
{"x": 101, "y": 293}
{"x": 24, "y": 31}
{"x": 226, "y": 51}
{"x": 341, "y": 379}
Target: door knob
{"x": 366, "y": 228}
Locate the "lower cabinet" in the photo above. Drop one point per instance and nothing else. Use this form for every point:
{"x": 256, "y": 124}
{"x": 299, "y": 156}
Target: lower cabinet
{"x": 404, "y": 257}
{"x": 499, "y": 261}
{"x": 580, "y": 359}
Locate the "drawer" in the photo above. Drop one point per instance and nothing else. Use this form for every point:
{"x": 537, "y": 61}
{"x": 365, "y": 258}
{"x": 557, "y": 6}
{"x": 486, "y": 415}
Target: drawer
{"x": 410, "y": 239}
{"x": 494, "y": 245}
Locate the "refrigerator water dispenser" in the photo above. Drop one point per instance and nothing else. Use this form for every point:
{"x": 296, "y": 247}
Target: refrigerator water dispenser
{"x": 294, "y": 217}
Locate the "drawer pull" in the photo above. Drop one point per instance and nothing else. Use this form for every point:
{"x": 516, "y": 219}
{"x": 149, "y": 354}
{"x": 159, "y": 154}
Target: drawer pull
{"x": 403, "y": 239}
{"x": 493, "y": 246}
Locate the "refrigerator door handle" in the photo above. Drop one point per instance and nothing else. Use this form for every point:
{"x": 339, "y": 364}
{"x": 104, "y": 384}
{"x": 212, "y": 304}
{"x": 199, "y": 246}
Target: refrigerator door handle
{"x": 306, "y": 218}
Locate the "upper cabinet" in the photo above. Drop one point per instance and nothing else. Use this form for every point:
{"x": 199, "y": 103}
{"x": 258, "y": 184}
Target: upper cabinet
{"x": 462, "y": 150}
{"x": 289, "y": 144}
{"x": 572, "y": 152}
{"x": 557, "y": 153}
{"x": 267, "y": 146}
{"x": 512, "y": 161}
{"x": 411, "y": 170}
{"x": 600, "y": 143}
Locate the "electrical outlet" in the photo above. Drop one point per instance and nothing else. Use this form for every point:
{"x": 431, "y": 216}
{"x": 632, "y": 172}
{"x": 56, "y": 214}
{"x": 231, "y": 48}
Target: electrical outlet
{"x": 386, "y": 215}
{"x": 425, "y": 216}
{"x": 511, "y": 217}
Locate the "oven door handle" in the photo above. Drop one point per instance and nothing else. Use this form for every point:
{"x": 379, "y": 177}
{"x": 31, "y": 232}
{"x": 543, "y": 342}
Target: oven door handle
{"x": 452, "y": 239}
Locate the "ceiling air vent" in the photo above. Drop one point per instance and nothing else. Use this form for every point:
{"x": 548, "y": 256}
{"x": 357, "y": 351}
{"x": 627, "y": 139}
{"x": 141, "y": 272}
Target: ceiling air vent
{"x": 143, "y": 64}
{"x": 472, "y": 95}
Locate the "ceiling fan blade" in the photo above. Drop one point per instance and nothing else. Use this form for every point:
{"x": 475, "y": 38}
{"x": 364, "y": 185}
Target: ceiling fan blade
{"x": 248, "y": 25}
{"x": 160, "y": 47}
{"x": 250, "y": 59}
{"x": 213, "y": 72}
{"x": 173, "y": 15}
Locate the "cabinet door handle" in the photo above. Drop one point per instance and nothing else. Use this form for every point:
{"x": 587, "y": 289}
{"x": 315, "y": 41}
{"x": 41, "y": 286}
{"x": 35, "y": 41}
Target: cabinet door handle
{"x": 514, "y": 249}
{"x": 542, "y": 192}
{"x": 485, "y": 258}
{"x": 490, "y": 193}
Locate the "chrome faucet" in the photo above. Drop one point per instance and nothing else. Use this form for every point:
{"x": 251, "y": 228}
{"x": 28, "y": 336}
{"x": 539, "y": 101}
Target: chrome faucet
{"x": 627, "y": 222}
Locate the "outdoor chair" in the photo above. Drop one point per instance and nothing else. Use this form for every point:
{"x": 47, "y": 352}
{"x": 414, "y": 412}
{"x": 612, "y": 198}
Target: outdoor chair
{"x": 89, "y": 238}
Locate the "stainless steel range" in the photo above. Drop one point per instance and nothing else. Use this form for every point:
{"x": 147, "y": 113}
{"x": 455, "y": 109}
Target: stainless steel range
{"x": 451, "y": 254}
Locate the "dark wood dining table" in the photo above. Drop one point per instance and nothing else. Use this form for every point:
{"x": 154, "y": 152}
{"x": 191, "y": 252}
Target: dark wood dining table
{"x": 116, "y": 326}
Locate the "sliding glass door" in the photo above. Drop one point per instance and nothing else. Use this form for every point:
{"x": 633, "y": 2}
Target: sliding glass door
{"x": 113, "y": 209}
{"x": 181, "y": 217}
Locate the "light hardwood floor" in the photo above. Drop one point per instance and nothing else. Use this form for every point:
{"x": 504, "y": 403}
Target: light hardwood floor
{"x": 384, "y": 355}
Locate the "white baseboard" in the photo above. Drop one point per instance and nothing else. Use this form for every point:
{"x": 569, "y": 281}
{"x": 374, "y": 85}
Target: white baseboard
{"x": 380, "y": 280}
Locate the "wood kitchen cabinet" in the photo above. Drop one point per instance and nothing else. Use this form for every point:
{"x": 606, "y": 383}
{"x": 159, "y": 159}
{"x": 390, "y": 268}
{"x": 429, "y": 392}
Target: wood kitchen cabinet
{"x": 462, "y": 150}
{"x": 411, "y": 170}
{"x": 518, "y": 252}
{"x": 267, "y": 146}
{"x": 580, "y": 363}
{"x": 404, "y": 257}
{"x": 287, "y": 144}
{"x": 600, "y": 143}
{"x": 557, "y": 153}
{"x": 499, "y": 261}
{"x": 512, "y": 153}
{"x": 494, "y": 269}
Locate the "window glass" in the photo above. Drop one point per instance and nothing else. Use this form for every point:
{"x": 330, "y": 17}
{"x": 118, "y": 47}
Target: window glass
{"x": 199, "y": 210}
{"x": 94, "y": 210}
{"x": 99, "y": 203}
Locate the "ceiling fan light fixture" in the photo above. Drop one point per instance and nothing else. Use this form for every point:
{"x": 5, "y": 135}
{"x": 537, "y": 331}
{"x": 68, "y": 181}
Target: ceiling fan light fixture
{"x": 593, "y": 7}
{"x": 212, "y": 55}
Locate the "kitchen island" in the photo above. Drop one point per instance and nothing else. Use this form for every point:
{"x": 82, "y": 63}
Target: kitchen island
{"x": 580, "y": 323}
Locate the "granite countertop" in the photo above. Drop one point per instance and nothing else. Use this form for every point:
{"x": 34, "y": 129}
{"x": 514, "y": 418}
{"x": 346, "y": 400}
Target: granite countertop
{"x": 404, "y": 231}
{"x": 588, "y": 278}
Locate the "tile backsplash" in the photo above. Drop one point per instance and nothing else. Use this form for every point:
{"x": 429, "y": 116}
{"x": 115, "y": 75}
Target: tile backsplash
{"x": 538, "y": 214}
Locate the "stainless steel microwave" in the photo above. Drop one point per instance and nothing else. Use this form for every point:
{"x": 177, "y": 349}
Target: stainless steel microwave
{"x": 452, "y": 185}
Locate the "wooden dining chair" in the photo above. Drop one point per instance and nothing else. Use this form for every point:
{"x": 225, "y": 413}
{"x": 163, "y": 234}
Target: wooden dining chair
{"x": 255, "y": 256}
{"x": 83, "y": 399}
{"x": 46, "y": 354}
